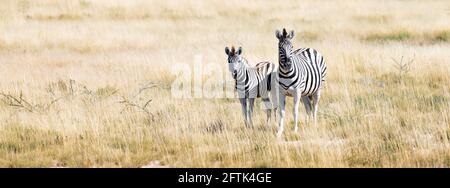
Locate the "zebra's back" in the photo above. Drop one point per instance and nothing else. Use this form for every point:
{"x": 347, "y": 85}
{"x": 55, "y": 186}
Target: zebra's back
{"x": 315, "y": 70}
{"x": 259, "y": 80}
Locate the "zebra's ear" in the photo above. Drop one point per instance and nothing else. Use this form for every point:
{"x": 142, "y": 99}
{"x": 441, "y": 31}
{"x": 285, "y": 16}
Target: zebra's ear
{"x": 227, "y": 50}
{"x": 278, "y": 34}
{"x": 239, "y": 51}
{"x": 291, "y": 34}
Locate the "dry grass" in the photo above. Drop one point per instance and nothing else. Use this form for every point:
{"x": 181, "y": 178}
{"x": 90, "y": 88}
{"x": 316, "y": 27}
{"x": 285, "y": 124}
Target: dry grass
{"x": 370, "y": 115}
{"x": 409, "y": 37}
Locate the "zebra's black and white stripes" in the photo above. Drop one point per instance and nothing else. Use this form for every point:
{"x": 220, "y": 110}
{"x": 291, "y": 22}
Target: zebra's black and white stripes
{"x": 301, "y": 74}
{"x": 252, "y": 82}
{"x": 309, "y": 74}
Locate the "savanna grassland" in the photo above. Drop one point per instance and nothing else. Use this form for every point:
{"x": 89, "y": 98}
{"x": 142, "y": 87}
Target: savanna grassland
{"x": 87, "y": 83}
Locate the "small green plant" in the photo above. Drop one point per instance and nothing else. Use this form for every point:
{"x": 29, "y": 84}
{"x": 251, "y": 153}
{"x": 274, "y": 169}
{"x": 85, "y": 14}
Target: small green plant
{"x": 443, "y": 36}
{"x": 396, "y": 36}
{"x": 84, "y": 4}
{"x": 106, "y": 91}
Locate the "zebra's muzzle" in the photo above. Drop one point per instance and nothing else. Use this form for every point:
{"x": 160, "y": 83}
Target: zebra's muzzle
{"x": 286, "y": 65}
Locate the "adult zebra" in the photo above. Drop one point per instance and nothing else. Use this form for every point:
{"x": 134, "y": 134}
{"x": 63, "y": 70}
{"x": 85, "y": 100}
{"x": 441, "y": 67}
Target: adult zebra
{"x": 252, "y": 82}
{"x": 301, "y": 74}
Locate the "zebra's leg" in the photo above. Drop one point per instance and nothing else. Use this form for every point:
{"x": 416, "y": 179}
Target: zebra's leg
{"x": 275, "y": 112}
{"x": 244, "y": 109}
{"x": 269, "y": 117}
{"x": 307, "y": 103}
{"x": 275, "y": 99}
{"x": 297, "y": 96}
{"x": 282, "y": 112}
{"x": 268, "y": 109}
{"x": 311, "y": 113}
{"x": 250, "y": 110}
{"x": 315, "y": 104}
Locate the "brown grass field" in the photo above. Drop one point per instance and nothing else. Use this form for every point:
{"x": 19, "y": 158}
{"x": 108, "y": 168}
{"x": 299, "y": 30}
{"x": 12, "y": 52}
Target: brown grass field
{"x": 71, "y": 72}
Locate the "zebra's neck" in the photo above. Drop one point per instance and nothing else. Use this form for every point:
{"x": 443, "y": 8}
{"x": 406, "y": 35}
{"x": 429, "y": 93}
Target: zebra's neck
{"x": 242, "y": 79}
{"x": 293, "y": 76}
{"x": 241, "y": 74}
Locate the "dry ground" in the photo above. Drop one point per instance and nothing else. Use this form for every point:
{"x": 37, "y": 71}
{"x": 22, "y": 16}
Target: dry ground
{"x": 71, "y": 72}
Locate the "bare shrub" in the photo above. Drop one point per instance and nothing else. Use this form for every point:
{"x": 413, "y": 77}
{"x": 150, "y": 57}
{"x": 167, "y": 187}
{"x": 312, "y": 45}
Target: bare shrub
{"x": 402, "y": 67}
{"x": 135, "y": 102}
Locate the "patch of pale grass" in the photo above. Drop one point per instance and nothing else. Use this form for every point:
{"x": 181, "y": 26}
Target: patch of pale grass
{"x": 94, "y": 54}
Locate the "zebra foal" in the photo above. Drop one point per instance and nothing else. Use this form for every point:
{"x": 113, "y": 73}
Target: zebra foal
{"x": 252, "y": 82}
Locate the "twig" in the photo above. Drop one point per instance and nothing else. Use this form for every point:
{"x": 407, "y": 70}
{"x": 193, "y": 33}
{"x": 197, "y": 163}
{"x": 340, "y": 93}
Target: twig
{"x": 17, "y": 102}
{"x": 143, "y": 108}
{"x": 145, "y": 87}
{"x": 52, "y": 103}
{"x": 21, "y": 103}
{"x": 148, "y": 102}
{"x": 403, "y": 67}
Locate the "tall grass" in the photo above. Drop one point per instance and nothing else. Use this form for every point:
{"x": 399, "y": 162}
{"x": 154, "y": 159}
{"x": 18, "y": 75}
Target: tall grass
{"x": 80, "y": 66}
